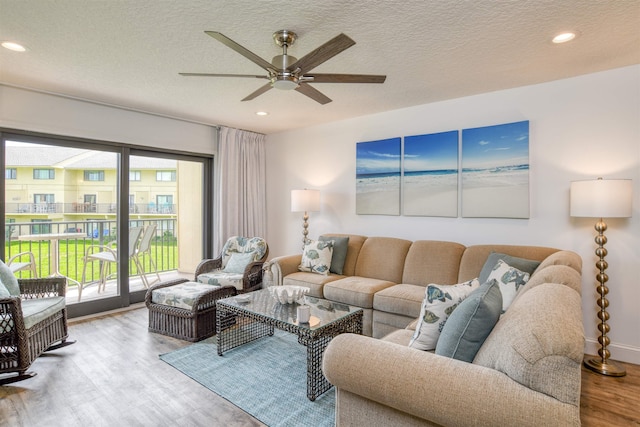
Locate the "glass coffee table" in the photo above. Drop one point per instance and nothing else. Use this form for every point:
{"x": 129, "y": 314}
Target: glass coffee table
{"x": 247, "y": 317}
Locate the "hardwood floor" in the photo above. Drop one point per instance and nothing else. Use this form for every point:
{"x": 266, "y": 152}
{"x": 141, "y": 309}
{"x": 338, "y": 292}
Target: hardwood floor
{"x": 112, "y": 376}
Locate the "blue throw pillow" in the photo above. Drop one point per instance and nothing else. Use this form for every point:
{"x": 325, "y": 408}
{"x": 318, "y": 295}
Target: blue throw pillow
{"x": 471, "y": 323}
{"x": 4, "y": 292}
{"x": 340, "y": 246}
{"x": 238, "y": 262}
{"x": 9, "y": 280}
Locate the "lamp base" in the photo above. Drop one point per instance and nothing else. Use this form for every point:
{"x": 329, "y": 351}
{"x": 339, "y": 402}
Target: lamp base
{"x": 607, "y": 367}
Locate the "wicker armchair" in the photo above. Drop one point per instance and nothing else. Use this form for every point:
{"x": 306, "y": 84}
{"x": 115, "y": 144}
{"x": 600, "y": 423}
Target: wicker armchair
{"x": 25, "y": 332}
{"x": 212, "y": 271}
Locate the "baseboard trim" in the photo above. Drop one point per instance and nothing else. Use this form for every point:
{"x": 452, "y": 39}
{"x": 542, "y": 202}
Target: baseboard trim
{"x": 619, "y": 352}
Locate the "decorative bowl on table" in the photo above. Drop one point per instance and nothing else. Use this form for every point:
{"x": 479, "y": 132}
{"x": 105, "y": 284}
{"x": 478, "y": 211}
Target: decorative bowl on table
{"x": 288, "y": 294}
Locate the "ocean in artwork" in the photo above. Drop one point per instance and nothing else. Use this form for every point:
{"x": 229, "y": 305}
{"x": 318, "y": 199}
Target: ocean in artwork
{"x": 378, "y": 177}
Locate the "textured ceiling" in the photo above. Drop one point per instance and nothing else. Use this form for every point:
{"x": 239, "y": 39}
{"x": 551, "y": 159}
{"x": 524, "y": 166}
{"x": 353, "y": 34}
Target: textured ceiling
{"x": 129, "y": 52}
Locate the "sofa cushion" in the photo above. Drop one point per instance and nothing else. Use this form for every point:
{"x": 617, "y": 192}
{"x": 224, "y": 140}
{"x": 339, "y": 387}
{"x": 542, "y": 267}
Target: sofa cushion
{"x": 470, "y": 323}
{"x": 315, "y": 282}
{"x": 36, "y": 310}
{"x": 438, "y": 304}
{"x": 400, "y": 299}
{"x": 316, "y": 257}
{"x": 510, "y": 281}
{"x": 355, "y": 290}
{"x": 431, "y": 261}
{"x": 182, "y": 295}
{"x": 542, "y": 361}
{"x": 340, "y": 246}
{"x": 382, "y": 258}
{"x": 526, "y": 265}
{"x": 9, "y": 279}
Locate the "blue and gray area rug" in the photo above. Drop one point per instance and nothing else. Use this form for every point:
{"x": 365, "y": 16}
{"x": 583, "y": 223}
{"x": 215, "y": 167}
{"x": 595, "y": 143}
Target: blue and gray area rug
{"x": 266, "y": 378}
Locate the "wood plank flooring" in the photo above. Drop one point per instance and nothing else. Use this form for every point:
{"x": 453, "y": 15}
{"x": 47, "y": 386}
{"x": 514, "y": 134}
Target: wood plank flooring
{"x": 112, "y": 376}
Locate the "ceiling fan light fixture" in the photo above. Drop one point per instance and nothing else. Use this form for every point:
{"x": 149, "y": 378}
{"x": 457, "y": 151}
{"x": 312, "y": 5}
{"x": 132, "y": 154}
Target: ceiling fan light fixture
{"x": 284, "y": 83}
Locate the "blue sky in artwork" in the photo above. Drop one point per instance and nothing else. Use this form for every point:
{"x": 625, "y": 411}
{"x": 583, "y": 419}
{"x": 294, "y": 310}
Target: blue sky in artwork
{"x": 436, "y": 151}
{"x": 378, "y": 156}
{"x": 500, "y": 145}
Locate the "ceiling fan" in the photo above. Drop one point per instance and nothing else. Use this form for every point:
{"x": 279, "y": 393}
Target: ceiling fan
{"x": 287, "y": 72}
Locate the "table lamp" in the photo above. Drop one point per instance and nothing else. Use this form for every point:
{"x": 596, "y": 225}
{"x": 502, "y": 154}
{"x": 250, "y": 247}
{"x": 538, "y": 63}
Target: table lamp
{"x": 305, "y": 201}
{"x": 600, "y": 198}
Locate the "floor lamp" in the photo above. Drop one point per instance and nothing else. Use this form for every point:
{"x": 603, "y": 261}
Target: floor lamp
{"x": 602, "y": 198}
{"x": 305, "y": 201}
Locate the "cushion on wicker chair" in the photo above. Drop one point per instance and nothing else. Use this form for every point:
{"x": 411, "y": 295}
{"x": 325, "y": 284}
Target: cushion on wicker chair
{"x": 8, "y": 279}
{"x": 36, "y": 310}
{"x": 182, "y": 295}
{"x": 243, "y": 245}
{"x": 220, "y": 278}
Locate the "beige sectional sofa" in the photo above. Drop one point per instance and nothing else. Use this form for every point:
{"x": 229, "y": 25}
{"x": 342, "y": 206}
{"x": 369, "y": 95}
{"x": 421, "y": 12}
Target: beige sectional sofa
{"x": 527, "y": 371}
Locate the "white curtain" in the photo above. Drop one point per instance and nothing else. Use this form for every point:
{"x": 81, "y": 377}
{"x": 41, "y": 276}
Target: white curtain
{"x": 240, "y": 193}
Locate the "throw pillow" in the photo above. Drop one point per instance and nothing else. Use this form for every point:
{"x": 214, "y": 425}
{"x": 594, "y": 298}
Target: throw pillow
{"x": 471, "y": 323}
{"x": 4, "y": 292}
{"x": 438, "y": 304}
{"x": 9, "y": 279}
{"x": 238, "y": 262}
{"x": 316, "y": 257}
{"x": 340, "y": 246}
{"x": 526, "y": 265}
{"x": 510, "y": 280}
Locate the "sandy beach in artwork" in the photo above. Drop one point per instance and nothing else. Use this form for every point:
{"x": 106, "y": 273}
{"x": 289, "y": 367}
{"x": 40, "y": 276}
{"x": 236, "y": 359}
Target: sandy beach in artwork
{"x": 496, "y": 194}
{"x": 431, "y": 195}
{"x": 378, "y": 195}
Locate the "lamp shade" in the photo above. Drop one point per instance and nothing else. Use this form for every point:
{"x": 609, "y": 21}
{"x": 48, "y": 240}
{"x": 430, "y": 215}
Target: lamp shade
{"x": 601, "y": 198}
{"x": 305, "y": 200}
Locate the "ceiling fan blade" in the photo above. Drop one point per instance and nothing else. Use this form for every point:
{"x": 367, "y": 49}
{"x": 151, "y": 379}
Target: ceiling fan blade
{"x": 323, "y": 53}
{"x": 240, "y": 49}
{"x": 345, "y": 78}
{"x": 313, "y": 93}
{"x": 222, "y": 75}
{"x": 258, "y": 92}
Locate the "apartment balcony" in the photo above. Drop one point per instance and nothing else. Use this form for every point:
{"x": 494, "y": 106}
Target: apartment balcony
{"x": 87, "y": 208}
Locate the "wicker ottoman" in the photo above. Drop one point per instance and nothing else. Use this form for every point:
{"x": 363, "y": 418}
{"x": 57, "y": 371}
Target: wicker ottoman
{"x": 188, "y": 309}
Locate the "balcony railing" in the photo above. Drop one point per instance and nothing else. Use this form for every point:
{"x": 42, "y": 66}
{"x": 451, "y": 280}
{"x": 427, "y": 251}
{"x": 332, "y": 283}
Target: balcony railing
{"x": 97, "y": 208}
{"x": 71, "y": 252}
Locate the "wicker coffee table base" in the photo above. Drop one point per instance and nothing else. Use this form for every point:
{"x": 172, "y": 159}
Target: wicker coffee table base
{"x": 236, "y": 326}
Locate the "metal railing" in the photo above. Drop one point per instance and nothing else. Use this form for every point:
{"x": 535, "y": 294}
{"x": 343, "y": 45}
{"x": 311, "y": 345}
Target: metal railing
{"x": 98, "y": 208}
{"x": 71, "y": 251}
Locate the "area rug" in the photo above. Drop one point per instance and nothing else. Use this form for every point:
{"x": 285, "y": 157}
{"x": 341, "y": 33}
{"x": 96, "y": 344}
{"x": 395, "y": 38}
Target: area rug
{"x": 266, "y": 378}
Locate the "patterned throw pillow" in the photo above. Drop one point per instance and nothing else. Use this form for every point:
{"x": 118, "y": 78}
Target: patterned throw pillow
{"x": 438, "y": 304}
{"x": 510, "y": 279}
{"x": 9, "y": 280}
{"x": 238, "y": 262}
{"x": 316, "y": 257}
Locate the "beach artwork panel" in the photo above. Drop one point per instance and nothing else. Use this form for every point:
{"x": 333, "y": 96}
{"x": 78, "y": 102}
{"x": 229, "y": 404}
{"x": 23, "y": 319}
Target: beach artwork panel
{"x": 378, "y": 177}
{"x": 430, "y": 179}
{"x": 495, "y": 171}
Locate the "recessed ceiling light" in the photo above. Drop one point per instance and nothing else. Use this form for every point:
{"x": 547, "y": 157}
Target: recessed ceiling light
{"x": 13, "y": 46}
{"x": 564, "y": 37}
{"x": 262, "y": 113}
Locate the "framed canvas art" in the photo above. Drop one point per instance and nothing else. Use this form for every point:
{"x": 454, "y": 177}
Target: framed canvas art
{"x": 495, "y": 171}
{"x": 430, "y": 179}
{"x": 378, "y": 177}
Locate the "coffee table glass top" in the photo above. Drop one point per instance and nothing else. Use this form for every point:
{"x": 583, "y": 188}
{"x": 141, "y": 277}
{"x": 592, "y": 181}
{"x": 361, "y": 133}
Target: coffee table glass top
{"x": 323, "y": 312}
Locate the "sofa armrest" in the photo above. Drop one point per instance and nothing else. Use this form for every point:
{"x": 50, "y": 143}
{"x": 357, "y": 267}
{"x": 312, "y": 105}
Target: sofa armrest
{"x": 438, "y": 389}
{"x": 277, "y": 268}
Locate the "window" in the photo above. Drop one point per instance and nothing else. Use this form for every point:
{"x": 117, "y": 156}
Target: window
{"x": 11, "y": 173}
{"x": 44, "y": 174}
{"x": 94, "y": 175}
{"x": 169, "y": 176}
{"x": 135, "y": 176}
{"x": 41, "y": 226}
{"x": 164, "y": 203}
{"x": 44, "y": 198}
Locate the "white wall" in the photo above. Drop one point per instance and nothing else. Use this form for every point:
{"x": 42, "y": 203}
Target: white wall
{"x": 580, "y": 128}
{"x": 24, "y": 109}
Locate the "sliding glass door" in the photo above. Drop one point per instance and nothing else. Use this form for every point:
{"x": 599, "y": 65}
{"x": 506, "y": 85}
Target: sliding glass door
{"x": 112, "y": 219}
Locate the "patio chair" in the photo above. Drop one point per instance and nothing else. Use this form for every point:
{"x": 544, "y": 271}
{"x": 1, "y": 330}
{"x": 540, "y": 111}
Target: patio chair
{"x": 144, "y": 249}
{"x": 106, "y": 256}
{"x": 239, "y": 265}
{"x": 33, "y": 319}
{"x": 18, "y": 263}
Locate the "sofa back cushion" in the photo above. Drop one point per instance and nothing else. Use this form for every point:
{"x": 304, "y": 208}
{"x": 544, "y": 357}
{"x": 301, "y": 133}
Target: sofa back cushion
{"x": 382, "y": 258}
{"x": 431, "y": 261}
{"x": 539, "y": 342}
{"x": 353, "y": 252}
{"x": 475, "y": 256}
